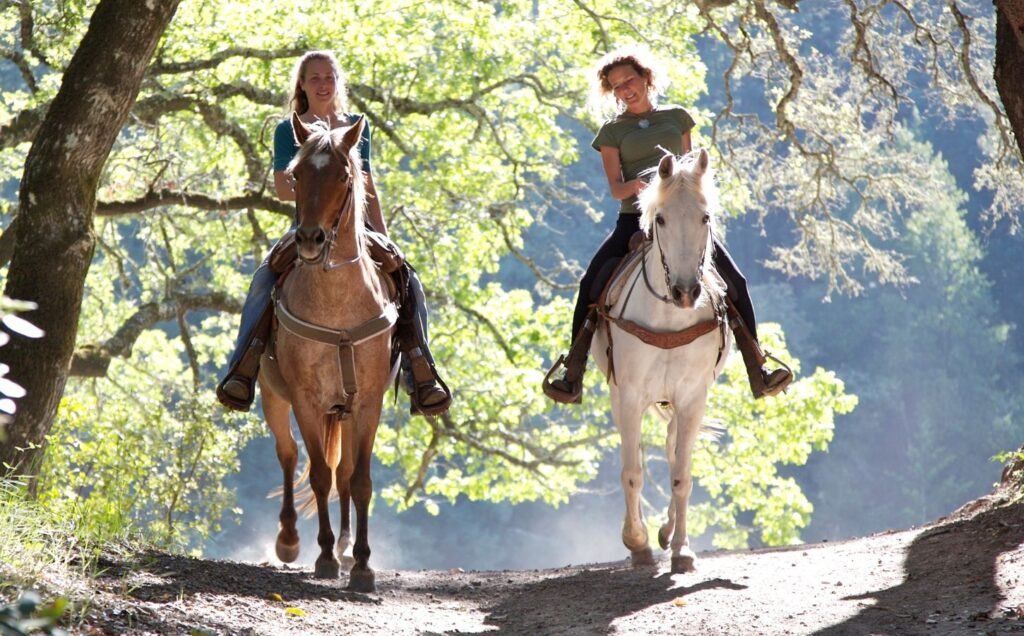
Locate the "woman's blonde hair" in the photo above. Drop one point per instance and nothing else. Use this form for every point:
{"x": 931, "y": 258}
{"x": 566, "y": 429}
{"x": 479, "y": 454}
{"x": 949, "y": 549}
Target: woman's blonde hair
{"x": 297, "y": 101}
{"x": 602, "y": 100}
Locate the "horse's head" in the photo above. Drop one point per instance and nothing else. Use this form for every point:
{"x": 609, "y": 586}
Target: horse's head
{"x": 328, "y": 183}
{"x": 678, "y": 211}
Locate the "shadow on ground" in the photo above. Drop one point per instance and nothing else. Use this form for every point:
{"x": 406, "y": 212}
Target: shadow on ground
{"x": 593, "y": 598}
{"x": 163, "y": 578}
{"x": 950, "y": 584}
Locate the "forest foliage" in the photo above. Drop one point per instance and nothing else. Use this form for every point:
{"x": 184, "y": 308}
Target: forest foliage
{"x": 476, "y": 147}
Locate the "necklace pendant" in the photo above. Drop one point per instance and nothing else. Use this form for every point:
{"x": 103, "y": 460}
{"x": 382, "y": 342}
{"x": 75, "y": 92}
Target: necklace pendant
{"x": 643, "y": 123}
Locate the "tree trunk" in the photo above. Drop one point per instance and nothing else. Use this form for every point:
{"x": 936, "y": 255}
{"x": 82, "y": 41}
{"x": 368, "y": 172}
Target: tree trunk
{"x": 1009, "y": 63}
{"x": 54, "y": 240}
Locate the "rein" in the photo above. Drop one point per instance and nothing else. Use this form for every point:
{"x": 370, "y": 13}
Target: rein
{"x": 346, "y": 340}
{"x": 346, "y": 206}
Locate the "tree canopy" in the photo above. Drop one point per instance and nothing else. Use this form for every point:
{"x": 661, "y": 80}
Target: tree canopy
{"x": 474, "y": 108}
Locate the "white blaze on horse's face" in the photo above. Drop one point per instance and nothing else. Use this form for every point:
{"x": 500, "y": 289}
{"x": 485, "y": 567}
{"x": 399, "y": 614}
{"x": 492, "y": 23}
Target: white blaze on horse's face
{"x": 320, "y": 160}
{"x": 682, "y": 220}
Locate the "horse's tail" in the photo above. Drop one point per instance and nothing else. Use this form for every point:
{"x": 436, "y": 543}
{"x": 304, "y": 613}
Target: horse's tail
{"x": 332, "y": 445}
{"x": 305, "y": 500}
{"x": 709, "y": 429}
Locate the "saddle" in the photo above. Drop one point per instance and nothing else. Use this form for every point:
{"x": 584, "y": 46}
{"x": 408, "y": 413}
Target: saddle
{"x": 612, "y": 285}
{"x": 612, "y": 277}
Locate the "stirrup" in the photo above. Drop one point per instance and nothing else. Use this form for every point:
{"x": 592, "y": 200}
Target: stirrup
{"x": 232, "y": 401}
{"x": 418, "y": 408}
{"x": 572, "y": 395}
{"x": 785, "y": 378}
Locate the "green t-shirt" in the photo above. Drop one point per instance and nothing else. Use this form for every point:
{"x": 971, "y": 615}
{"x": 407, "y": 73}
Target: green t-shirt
{"x": 638, "y": 139}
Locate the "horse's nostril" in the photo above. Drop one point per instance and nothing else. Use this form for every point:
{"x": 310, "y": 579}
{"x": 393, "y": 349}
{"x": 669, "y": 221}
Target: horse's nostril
{"x": 310, "y": 235}
{"x": 696, "y": 292}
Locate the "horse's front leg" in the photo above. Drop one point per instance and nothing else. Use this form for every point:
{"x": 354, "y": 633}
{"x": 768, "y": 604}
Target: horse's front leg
{"x": 314, "y": 435}
{"x": 361, "y": 577}
{"x": 687, "y": 426}
{"x": 275, "y": 410}
{"x": 627, "y": 413}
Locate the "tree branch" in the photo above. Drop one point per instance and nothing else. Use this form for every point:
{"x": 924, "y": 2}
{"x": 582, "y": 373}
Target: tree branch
{"x": 165, "y": 197}
{"x": 218, "y": 58}
{"x": 92, "y": 360}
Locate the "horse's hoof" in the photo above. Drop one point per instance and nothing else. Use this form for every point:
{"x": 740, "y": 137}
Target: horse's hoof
{"x": 327, "y": 568}
{"x": 362, "y": 581}
{"x": 664, "y": 534}
{"x": 683, "y": 564}
{"x": 642, "y": 558}
{"x": 286, "y": 553}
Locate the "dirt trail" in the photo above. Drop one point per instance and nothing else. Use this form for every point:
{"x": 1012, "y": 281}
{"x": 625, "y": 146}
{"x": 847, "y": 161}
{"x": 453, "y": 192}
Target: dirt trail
{"x": 961, "y": 575}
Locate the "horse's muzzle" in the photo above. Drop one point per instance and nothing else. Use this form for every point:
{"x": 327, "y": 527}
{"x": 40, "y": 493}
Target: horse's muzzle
{"x": 310, "y": 239}
{"x": 686, "y": 297}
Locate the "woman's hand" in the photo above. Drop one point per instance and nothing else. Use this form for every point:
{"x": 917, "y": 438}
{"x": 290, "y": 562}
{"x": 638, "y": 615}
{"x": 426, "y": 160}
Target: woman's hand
{"x": 639, "y": 185}
{"x": 284, "y": 185}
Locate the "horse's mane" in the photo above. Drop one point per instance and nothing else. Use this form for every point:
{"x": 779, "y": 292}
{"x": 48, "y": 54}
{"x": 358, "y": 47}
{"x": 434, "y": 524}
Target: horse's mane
{"x": 323, "y": 139}
{"x": 659, "y": 190}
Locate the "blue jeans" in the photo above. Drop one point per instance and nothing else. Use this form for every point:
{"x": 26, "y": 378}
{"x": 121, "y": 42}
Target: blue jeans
{"x": 258, "y": 299}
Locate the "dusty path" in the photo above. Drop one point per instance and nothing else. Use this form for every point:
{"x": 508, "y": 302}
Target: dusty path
{"x": 963, "y": 575}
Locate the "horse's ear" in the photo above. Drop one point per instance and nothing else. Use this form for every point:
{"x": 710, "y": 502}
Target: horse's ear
{"x": 299, "y": 129}
{"x": 703, "y": 159}
{"x": 666, "y": 166}
{"x": 354, "y": 133}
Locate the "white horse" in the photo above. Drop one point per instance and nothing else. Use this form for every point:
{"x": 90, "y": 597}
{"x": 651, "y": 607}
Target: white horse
{"x": 663, "y": 341}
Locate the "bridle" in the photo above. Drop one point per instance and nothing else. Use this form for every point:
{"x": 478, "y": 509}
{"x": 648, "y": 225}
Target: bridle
{"x": 347, "y": 207}
{"x": 664, "y": 264}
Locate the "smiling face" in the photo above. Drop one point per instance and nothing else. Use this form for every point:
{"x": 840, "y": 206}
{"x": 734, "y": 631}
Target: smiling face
{"x": 320, "y": 85}
{"x": 630, "y": 88}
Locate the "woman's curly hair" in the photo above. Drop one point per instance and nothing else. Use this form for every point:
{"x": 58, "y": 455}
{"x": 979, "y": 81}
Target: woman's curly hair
{"x": 602, "y": 101}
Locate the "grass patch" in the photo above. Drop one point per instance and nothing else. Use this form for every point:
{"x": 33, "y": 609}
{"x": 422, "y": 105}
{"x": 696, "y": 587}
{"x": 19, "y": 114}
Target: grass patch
{"x": 45, "y": 556}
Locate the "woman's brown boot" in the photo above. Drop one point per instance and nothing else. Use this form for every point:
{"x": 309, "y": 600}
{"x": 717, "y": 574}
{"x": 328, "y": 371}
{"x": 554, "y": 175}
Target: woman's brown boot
{"x": 568, "y": 387}
{"x": 762, "y": 381}
{"x": 430, "y": 395}
{"x": 238, "y": 388}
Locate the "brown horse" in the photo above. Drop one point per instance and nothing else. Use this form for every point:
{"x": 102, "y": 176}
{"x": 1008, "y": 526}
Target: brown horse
{"x": 331, "y": 359}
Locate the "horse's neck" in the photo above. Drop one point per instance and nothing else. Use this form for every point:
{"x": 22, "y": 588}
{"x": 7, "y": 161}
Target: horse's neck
{"x": 336, "y": 297}
{"x": 348, "y": 243}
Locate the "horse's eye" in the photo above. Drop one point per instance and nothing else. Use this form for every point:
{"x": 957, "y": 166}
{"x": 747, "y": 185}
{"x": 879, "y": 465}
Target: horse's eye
{"x": 707, "y": 219}
{"x": 659, "y": 219}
